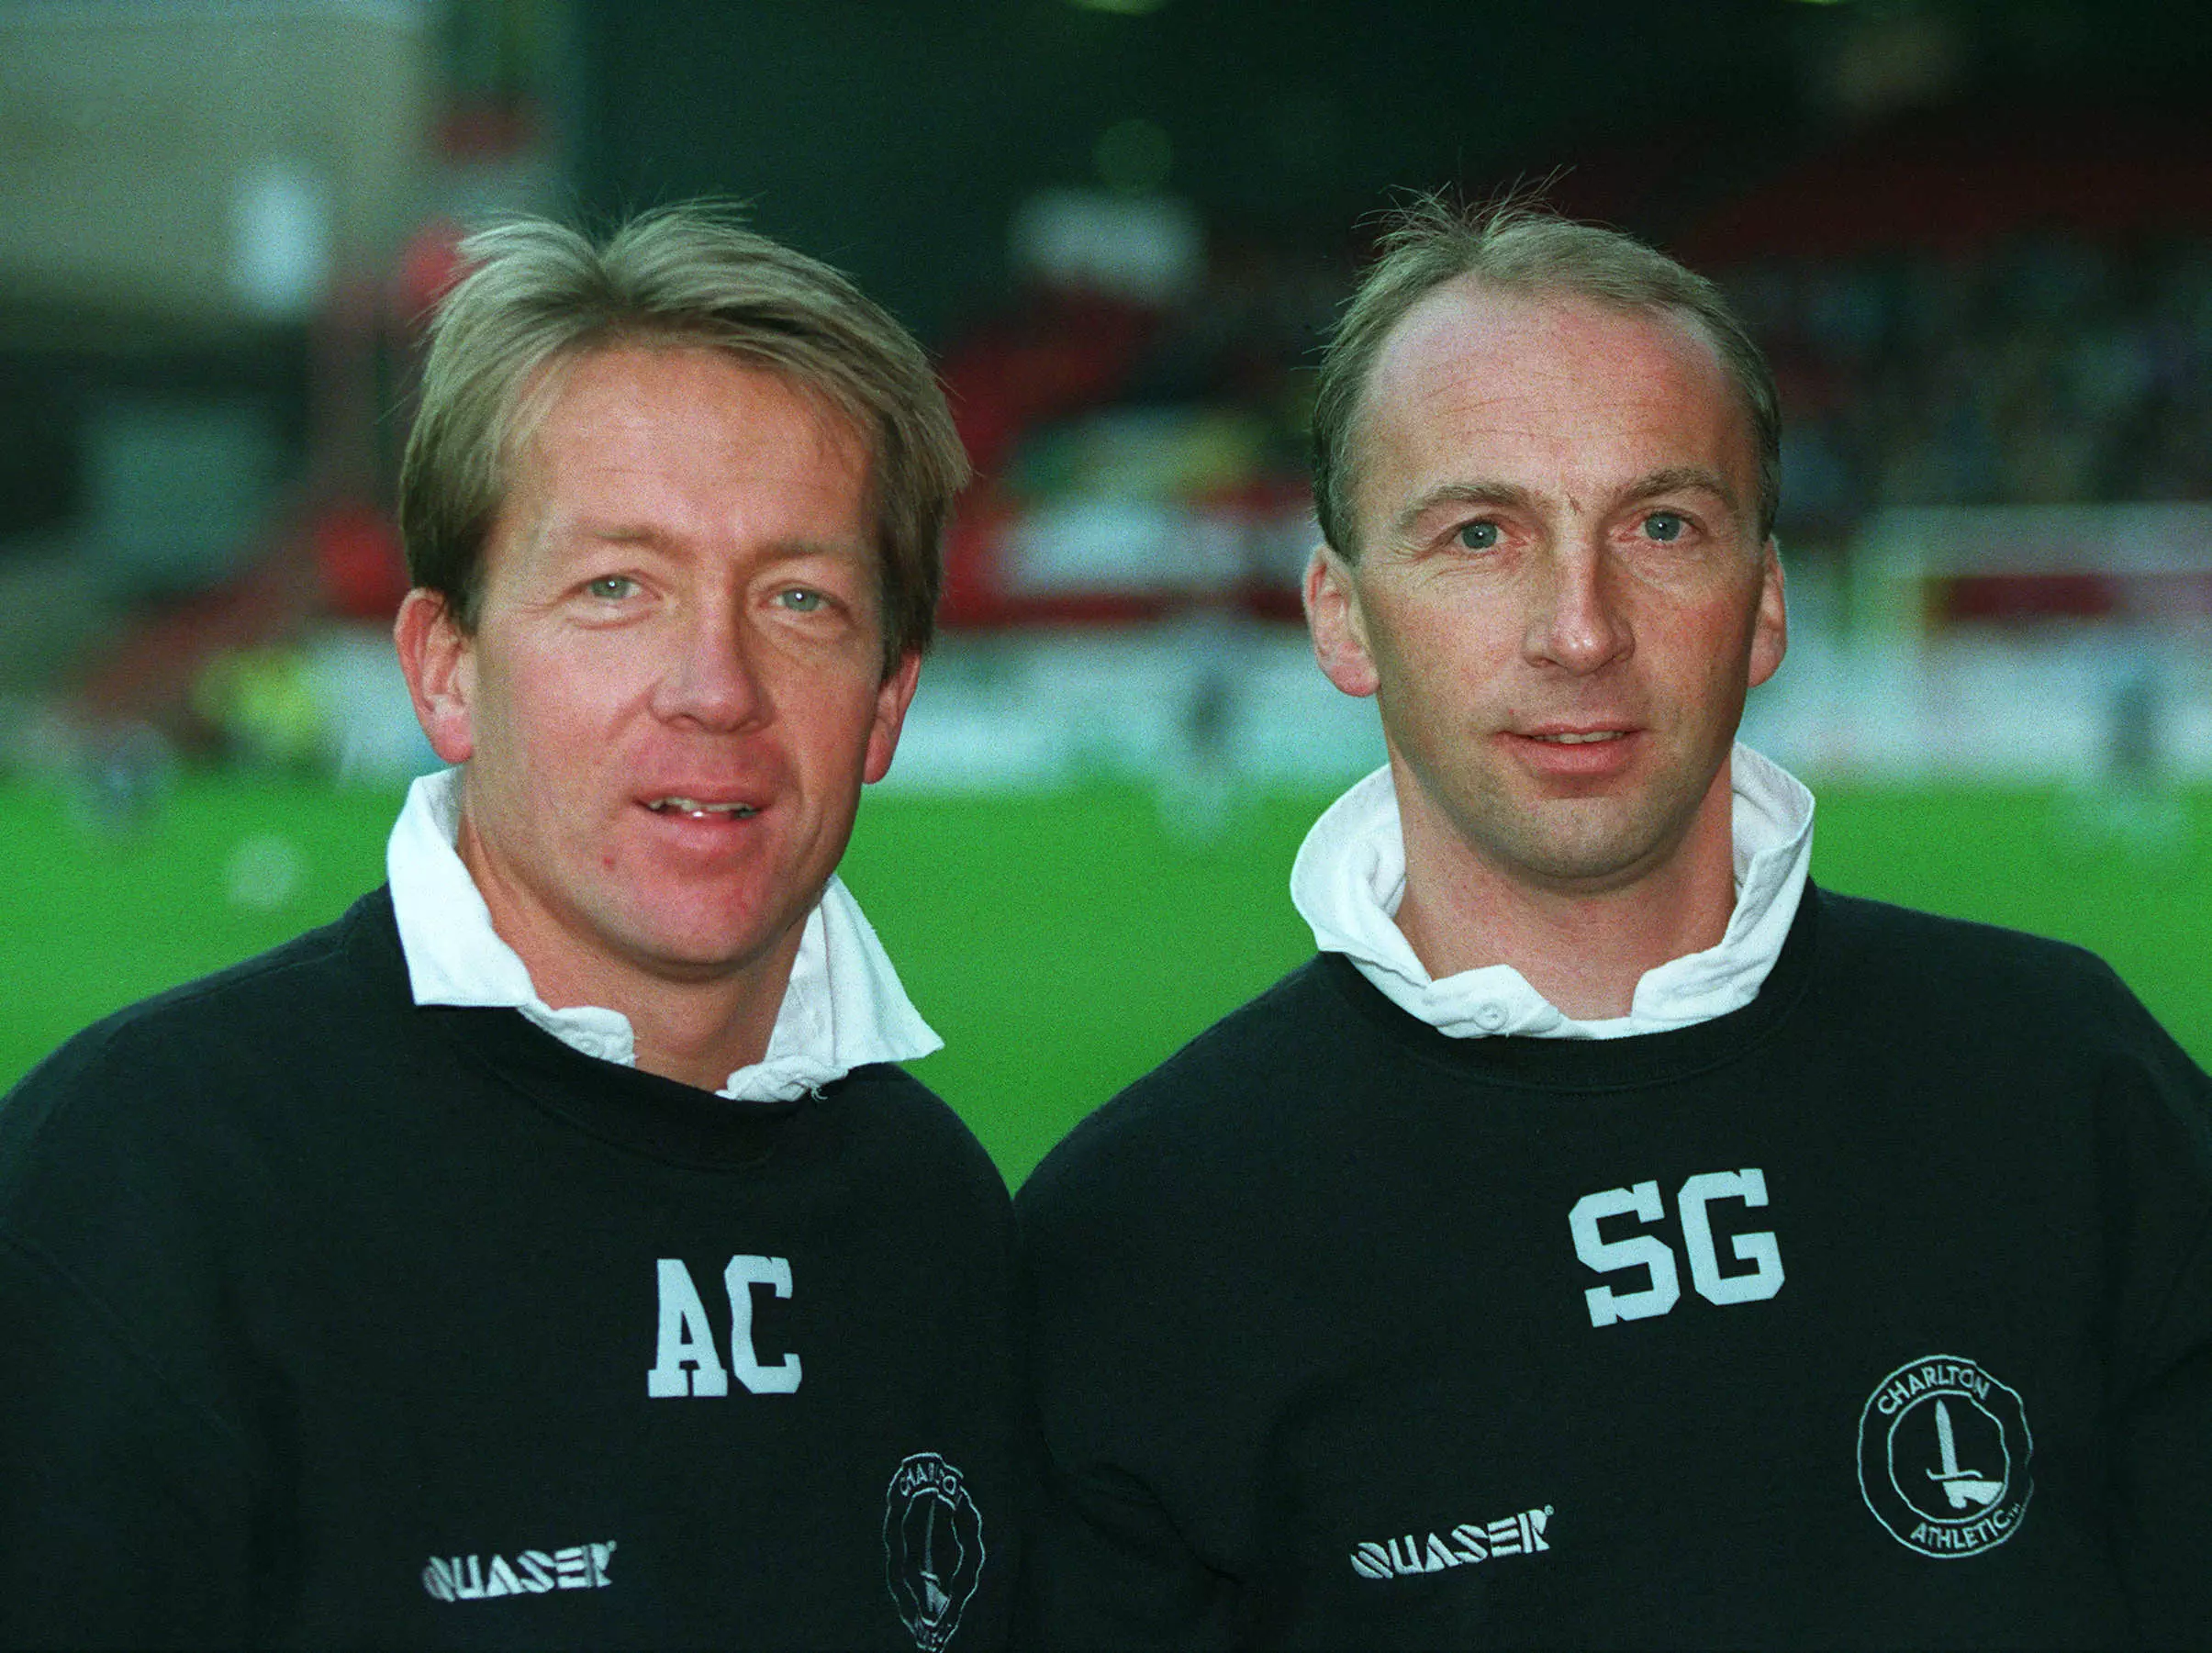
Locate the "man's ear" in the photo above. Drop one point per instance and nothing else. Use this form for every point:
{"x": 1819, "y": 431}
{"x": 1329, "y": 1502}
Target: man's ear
{"x": 1339, "y": 630}
{"x": 893, "y": 696}
{"x": 438, "y": 660}
{"x": 1771, "y": 629}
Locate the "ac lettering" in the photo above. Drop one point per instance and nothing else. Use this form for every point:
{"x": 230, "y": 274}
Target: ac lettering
{"x": 685, "y": 1361}
{"x": 1608, "y": 1305}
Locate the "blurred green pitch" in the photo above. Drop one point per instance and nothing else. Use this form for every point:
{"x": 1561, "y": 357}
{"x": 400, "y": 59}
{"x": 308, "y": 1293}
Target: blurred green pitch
{"x": 1062, "y": 943}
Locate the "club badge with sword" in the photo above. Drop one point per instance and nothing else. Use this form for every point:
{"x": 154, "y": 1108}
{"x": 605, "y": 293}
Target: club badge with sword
{"x": 1944, "y": 1454}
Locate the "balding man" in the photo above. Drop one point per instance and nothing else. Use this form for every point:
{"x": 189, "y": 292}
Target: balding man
{"x": 1610, "y": 1238}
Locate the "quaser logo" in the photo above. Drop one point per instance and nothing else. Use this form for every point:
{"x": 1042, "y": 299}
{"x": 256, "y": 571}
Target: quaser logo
{"x": 1467, "y": 1545}
{"x": 532, "y": 1572}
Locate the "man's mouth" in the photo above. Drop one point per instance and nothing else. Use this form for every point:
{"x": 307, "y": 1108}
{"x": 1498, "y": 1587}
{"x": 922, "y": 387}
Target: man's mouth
{"x": 1571, "y": 739}
{"x": 699, "y": 810}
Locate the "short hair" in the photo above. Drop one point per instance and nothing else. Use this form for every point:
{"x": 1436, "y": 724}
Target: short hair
{"x": 540, "y": 296}
{"x": 1519, "y": 249}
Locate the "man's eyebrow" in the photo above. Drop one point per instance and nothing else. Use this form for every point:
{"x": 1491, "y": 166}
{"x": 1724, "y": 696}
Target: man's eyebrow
{"x": 619, "y": 531}
{"x": 1503, "y": 494}
{"x": 1682, "y": 479}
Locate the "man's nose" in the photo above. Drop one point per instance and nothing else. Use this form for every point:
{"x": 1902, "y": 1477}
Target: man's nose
{"x": 1579, "y": 622}
{"x": 710, "y": 677}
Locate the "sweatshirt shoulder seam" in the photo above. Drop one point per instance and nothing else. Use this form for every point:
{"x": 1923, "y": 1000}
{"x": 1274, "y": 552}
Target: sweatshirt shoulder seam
{"x": 42, "y": 1264}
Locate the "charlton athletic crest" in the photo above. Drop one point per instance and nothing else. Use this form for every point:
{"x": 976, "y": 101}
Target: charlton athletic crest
{"x": 933, "y": 1547}
{"x": 1944, "y": 1456}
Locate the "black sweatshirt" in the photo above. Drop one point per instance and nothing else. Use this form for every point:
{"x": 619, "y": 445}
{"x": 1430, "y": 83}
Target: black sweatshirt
{"x": 329, "y": 1320}
{"x": 1878, "y": 1313}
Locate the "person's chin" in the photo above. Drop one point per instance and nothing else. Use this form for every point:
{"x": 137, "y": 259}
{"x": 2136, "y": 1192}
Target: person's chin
{"x": 1585, "y": 841}
{"x": 699, "y": 957}
{"x": 698, "y": 925}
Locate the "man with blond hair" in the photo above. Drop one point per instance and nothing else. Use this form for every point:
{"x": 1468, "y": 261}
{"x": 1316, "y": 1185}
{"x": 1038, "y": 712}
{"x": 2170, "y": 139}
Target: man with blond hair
{"x": 549, "y": 1252}
{"x": 1611, "y": 1239}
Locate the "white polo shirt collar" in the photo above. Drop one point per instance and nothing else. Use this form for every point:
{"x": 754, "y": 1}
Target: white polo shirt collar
{"x": 1350, "y": 876}
{"x": 843, "y": 1009}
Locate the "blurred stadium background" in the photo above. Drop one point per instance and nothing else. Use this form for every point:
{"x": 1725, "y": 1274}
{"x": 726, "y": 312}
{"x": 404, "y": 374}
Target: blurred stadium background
{"x": 1976, "y": 236}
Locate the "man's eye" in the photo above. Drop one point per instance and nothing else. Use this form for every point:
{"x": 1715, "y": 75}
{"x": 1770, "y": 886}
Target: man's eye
{"x": 611, "y": 586}
{"x": 1479, "y": 536}
{"x": 1664, "y": 526}
{"x": 799, "y": 600}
